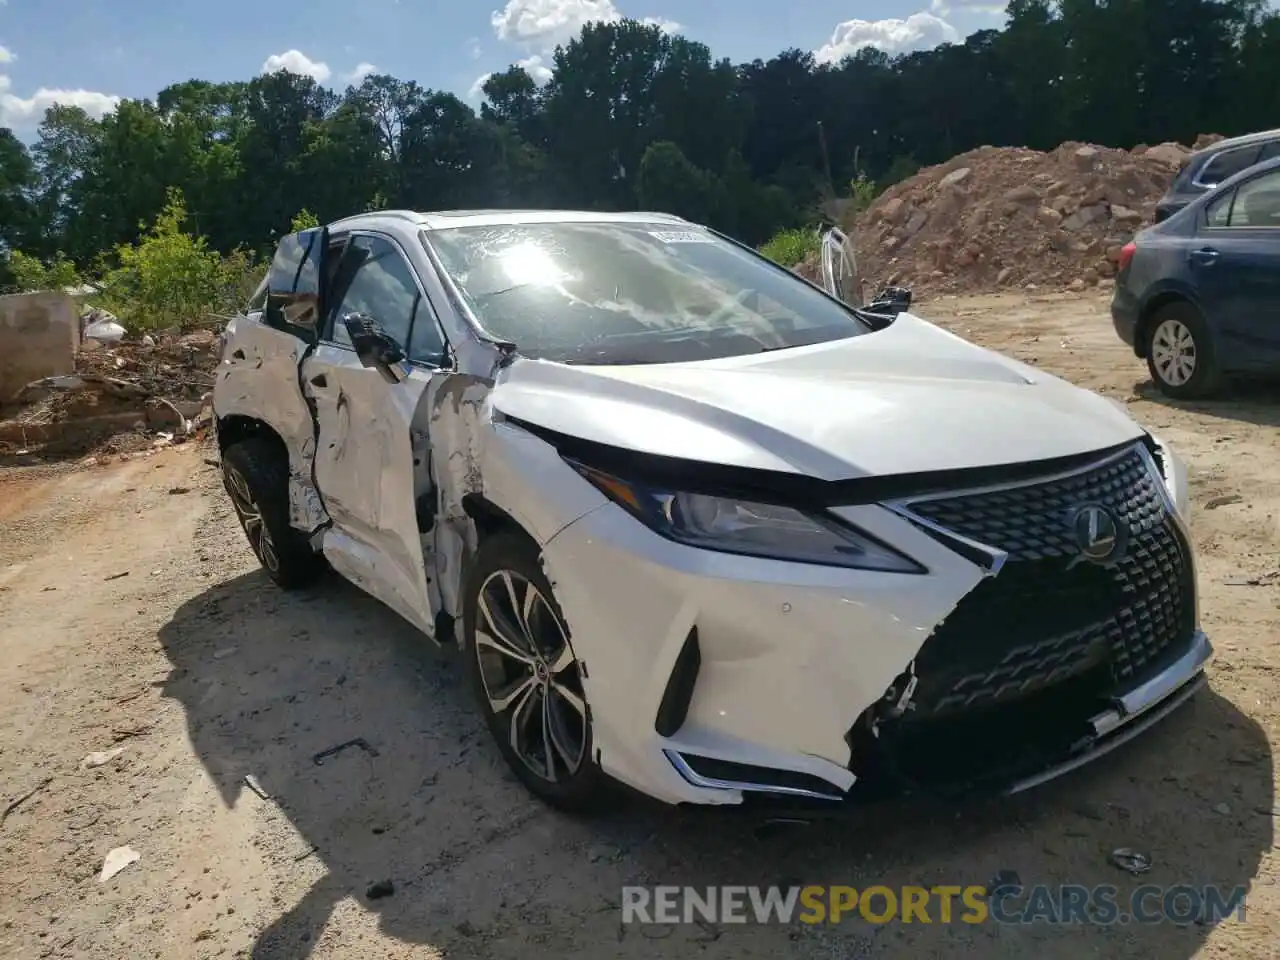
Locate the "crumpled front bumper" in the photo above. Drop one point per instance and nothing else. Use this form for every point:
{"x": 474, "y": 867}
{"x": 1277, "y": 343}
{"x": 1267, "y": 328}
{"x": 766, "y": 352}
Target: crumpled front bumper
{"x": 789, "y": 658}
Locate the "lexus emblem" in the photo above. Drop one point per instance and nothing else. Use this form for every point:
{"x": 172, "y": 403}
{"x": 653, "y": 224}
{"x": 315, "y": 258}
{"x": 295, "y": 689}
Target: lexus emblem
{"x": 1098, "y": 533}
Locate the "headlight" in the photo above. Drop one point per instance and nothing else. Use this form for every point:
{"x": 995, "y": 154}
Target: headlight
{"x": 764, "y": 530}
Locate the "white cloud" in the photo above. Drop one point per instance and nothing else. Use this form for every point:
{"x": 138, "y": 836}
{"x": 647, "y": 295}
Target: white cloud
{"x": 295, "y": 61}
{"x": 944, "y": 7}
{"x": 362, "y": 70}
{"x": 920, "y": 31}
{"x": 22, "y": 113}
{"x": 535, "y": 66}
{"x": 473, "y": 48}
{"x": 544, "y": 23}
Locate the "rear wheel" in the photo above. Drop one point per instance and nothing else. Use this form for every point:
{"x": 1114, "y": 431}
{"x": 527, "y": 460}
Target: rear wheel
{"x": 527, "y": 679}
{"x": 1180, "y": 353}
{"x": 255, "y": 473}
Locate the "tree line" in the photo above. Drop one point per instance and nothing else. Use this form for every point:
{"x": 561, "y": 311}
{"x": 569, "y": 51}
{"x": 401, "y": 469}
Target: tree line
{"x": 632, "y": 117}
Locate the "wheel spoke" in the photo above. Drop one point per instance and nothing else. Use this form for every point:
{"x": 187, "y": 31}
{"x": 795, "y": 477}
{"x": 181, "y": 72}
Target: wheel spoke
{"x": 561, "y": 739}
{"x": 571, "y": 698}
{"x": 513, "y": 693}
{"x": 548, "y": 751}
{"x": 517, "y": 608}
{"x": 495, "y": 641}
{"x": 500, "y": 626}
{"x": 521, "y": 714}
{"x": 561, "y": 662}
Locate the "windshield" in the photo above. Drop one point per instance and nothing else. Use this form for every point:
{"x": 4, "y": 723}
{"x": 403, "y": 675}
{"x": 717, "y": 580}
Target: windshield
{"x": 616, "y": 293}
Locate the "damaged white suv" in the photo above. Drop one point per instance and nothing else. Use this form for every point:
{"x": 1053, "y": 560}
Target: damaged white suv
{"x": 699, "y": 526}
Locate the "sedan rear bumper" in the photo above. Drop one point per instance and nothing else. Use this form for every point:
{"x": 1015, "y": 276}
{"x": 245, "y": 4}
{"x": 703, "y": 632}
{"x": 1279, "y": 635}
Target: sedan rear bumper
{"x": 1125, "y": 313}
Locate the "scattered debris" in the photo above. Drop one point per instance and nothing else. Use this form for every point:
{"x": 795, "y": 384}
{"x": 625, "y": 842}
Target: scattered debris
{"x": 360, "y": 742}
{"x": 252, "y": 783}
{"x": 302, "y": 856}
{"x": 1130, "y": 861}
{"x": 178, "y": 491}
{"x": 1262, "y": 580}
{"x": 1222, "y": 808}
{"x": 224, "y": 653}
{"x": 16, "y": 803}
{"x": 1223, "y": 501}
{"x": 116, "y": 576}
{"x": 383, "y": 888}
{"x": 100, "y": 758}
{"x": 117, "y": 860}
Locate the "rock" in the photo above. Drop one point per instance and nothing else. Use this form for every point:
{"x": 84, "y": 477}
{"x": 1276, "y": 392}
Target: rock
{"x": 916, "y": 223}
{"x": 1113, "y": 252}
{"x": 1170, "y": 154}
{"x": 1125, "y": 214}
{"x": 117, "y": 860}
{"x": 1049, "y": 216}
{"x": 1076, "y": 285}
{"x": 1222, "y": 808}
{"x": 1003, "y": 276}
{"x": 956, "y": 177}
{"x": 383, "y": 888}
{"x": 1023, "y": 194}
{"x": 1085, "y": 157}
{"x": 892, "y": 209}
{"x": 1084, "y": 216}
{"x": 1207, "y": 140}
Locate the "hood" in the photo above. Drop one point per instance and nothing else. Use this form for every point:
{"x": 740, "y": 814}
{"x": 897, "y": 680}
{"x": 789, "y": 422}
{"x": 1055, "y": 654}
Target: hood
{"x": 910, "y": 398}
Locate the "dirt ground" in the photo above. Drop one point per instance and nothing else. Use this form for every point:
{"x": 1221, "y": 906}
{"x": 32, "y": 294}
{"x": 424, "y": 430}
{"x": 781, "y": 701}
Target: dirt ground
{"x": 204, "y": 673}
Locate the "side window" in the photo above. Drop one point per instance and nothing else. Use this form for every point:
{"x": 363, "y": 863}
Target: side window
{"x": 1269, "y": 151}
{"x": 1218, "y": 213}
{"x": 1258, "y": 202}
{"x": 1227, "y": 164}
{"x": 293, "y": 283}
{"x": 374, "y": 278}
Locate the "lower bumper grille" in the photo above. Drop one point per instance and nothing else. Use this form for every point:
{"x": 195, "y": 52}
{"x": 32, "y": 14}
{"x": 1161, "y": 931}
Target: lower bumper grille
{"x": 1051, "y": 615}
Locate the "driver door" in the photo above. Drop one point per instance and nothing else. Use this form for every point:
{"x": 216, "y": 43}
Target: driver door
{"x": 840, "y": 268}
{"x": 372, "y": 462}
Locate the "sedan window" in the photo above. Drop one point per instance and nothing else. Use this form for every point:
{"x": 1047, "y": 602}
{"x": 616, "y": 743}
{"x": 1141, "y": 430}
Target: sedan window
{"x": 1227, "y": 164}
{"x": 1258, "y": 202}
{"x": 623, "y": 292}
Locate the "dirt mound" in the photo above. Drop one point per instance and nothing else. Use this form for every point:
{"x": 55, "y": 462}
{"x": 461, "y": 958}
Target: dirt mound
{"x": 124, "y": 397}
{"x": 1008, "y": 216}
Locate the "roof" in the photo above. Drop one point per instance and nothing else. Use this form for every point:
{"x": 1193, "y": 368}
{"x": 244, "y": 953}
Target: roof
{"x": 1245, "y": 140}
{"x": 444, "y": 219}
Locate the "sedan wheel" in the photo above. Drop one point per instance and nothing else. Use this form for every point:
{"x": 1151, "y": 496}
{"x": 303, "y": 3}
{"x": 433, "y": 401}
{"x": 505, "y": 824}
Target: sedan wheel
{"x": 1180, "y": 352}
{"x": 530, "y": 676}
{"x": 1173, "y": 351}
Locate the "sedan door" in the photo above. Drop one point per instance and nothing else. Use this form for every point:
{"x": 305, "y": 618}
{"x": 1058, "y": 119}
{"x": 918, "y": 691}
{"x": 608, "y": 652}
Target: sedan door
{"x": 1235, "y": 261}
{"x": 372, "y": 460}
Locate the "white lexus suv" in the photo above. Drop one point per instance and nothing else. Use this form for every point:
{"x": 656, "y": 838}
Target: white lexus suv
{"x": 700, "y": 526}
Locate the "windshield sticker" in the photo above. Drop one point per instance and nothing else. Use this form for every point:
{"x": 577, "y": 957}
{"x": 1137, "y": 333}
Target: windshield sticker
{"x": 680, "y": 236}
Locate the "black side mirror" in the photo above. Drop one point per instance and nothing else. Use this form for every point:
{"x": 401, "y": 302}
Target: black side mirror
{"x": 891, "y": 302}
{"x": 375, "y": 347}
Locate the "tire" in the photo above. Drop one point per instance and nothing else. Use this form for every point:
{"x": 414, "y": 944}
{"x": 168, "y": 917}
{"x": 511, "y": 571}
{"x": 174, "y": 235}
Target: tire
{"x": 546, "y": 712}
{"x": 255, "y": 473}
{"x": 1175, "y": 329}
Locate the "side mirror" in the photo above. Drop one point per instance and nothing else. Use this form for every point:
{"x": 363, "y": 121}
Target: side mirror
{"x": 375, "y": 347}
{"x": 891, "y": 302}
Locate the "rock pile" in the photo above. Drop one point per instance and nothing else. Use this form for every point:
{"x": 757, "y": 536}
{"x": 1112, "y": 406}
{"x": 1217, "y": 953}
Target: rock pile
{"x": 1002, "y": 217}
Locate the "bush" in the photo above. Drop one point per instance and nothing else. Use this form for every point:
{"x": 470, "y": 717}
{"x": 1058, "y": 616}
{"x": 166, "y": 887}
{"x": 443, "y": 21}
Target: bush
{"x": 170, "y": 278}
{"x": 790, "y": 247}
{"x": 31, "y": 274}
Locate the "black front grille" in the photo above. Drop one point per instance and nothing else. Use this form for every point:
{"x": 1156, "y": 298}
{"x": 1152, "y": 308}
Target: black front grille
{"x": 1049, "y": 614}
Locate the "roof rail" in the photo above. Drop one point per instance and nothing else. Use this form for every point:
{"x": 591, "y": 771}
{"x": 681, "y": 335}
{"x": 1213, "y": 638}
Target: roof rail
{"x": 409, "y": 215}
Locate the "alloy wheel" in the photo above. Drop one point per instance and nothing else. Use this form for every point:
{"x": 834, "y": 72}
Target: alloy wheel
{"x": 250, "y": 515}
{"x": 1173, "y": 352}
{"x": 531, "y": 678}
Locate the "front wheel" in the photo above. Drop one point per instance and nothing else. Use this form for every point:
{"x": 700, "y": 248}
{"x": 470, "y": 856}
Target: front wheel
{"x": 527, "y": 679}
{"x": 1180, "y": 353}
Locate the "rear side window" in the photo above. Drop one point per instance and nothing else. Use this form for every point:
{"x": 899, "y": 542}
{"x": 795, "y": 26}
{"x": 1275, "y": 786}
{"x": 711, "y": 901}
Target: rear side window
{"x": 1227, "y": 164}
{"x": 1269, "y": 151}
{"x": 1253, "y": 204}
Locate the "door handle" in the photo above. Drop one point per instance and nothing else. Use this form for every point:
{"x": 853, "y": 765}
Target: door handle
{"x": 320, "y": 380}
{"x": 1206, "y": 256}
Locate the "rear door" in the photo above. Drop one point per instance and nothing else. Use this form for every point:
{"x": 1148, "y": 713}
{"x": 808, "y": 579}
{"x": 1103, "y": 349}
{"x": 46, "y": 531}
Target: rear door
{"x": 371, "y": 462}
{"x": 1236, "y": 265}
{"x": 840, "y": 268}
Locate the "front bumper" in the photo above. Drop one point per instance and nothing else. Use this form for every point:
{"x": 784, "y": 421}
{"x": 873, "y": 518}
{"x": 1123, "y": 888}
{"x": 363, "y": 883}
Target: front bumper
{"x": 780, "y": 669}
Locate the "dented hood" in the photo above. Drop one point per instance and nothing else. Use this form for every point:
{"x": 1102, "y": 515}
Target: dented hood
{"x": 907, "y": 399}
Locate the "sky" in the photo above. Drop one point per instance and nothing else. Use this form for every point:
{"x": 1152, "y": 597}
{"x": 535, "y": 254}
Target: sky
{"x": 94, "y": 52}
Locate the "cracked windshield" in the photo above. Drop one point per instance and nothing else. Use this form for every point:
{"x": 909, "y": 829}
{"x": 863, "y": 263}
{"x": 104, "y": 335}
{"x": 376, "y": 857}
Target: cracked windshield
{"x": 613, "y": 293}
